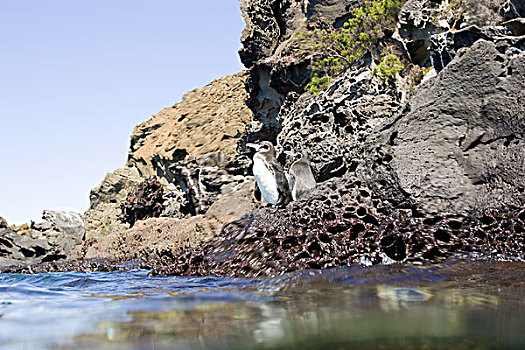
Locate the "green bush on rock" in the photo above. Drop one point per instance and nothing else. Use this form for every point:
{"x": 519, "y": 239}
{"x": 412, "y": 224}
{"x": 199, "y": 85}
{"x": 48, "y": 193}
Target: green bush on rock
{"x": 334, "y": 50}
{"x": 389, "y": 67}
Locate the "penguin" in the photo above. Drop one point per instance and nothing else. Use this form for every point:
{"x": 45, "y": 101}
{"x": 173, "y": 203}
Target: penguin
{"x": 301, "y": 179}
{"x": 269, "y": 175}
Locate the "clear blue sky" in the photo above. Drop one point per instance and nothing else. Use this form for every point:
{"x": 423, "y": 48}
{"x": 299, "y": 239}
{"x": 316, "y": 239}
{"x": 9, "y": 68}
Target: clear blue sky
{"x": 77, "y": 75}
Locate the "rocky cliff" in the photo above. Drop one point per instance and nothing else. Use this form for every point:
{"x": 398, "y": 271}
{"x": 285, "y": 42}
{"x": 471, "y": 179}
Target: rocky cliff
{"x": 103, "y": 215}
{"x": 189, "y": 145}
{"x": 416, "y": 141}
{"x": 208, "y": 120}
{"x": 450, "y": 144}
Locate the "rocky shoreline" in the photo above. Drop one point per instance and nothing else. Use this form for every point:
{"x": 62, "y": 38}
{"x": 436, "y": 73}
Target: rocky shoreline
{"x": 350, "y": 226}
{"x": 420, "y": 165}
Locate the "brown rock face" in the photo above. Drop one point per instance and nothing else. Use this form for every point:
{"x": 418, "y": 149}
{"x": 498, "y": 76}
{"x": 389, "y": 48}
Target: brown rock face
{"x": 102, "y": 217}
{"x": 158, "y": 241}
{"x": 207, "y": 120}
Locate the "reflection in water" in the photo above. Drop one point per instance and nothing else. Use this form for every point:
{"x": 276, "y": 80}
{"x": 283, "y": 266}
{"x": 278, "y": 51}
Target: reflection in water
{"x": 341, "y": 309}
{"x": 396, "y": 298}
{"x": 337, "y": 320}
{"x": 455, "y": 306}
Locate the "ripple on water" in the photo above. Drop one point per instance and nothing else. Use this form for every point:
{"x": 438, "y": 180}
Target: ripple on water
{"x": 460, "y": 304}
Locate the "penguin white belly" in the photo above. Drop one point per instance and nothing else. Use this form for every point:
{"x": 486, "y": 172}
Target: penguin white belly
{"x": 266, "y": 181}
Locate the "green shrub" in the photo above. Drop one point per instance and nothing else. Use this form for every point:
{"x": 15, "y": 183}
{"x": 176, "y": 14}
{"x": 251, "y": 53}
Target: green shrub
{"x": 334, "y": 50}
{"x": 318, "y": 84}
{"x": 389, "y": 66}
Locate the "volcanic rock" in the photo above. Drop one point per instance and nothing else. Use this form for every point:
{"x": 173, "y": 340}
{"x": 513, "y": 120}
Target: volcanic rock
{"x": 267, "y": 50}
{"x": 150, "y": 243}
{"x": 411, "y": 169}
{"x": 270, "y": 23}
{"x": 333, "y": 125}
{"x": 457, "y": 145}
{"x": 49, "y": 240}
{"x": 104, "y": 211}
{"x": 208, "y": 178}
{"x": 207, "y": 120}
{"x": 145, "y": 201}
{"x": 512, "y": 9}
{"x": 343, "y": 223}
{"x": 172, "y": 146}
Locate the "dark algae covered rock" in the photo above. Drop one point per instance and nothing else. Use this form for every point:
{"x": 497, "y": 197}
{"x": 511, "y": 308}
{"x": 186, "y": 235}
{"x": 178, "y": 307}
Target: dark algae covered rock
{"x": 344, "y": 223}
{"x": 146, "y": 201}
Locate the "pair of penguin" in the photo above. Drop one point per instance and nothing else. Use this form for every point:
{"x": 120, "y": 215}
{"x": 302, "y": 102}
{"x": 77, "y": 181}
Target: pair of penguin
{"x": 271, "y": 180}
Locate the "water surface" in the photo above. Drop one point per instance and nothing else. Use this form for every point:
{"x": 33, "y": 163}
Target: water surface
{"x": 461, "y": 305}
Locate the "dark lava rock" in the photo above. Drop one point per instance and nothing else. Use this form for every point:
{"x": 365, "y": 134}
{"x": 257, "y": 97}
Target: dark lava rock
{"x": 274, "y": 73}
{"x": 145, "y": 202}
{"x": 512, "y": 9}
{"x": 340, "y": 224}
{"x": 413, "y": 173}
{"x": 333, "y": 125}
{"x": 321, "y": 231}
{"x": 430, "y": 31}
{"x": 418, "y": 20}
{"x": 343, "y": 223}
{"x": 440, "y": 176}
{"x": 205, "y": 179}
{"x": 271, "y": 22}
{"x": 458, "y": 143}
{"x": 444, "y": 46}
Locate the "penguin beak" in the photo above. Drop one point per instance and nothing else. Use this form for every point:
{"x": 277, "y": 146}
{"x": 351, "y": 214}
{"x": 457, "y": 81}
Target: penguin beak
{"x": 254, "y": 146}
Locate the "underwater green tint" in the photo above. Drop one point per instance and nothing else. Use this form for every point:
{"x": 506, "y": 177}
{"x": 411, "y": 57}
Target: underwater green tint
{"x": 455, "y": 306}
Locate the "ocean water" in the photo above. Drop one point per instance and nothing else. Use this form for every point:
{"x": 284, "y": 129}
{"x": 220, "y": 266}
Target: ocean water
{"x": 459, "y": 305}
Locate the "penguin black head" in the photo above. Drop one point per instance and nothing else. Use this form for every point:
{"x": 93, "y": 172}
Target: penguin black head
{"x": 264, "y": 147}
{"x": 299, "y": 155}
